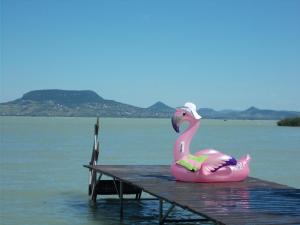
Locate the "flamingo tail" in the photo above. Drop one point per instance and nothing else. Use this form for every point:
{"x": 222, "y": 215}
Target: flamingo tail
{"x": 245, "y": 160}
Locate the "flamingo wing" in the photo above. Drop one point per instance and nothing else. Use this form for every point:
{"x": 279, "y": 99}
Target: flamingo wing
{"x": 217, "y": 161}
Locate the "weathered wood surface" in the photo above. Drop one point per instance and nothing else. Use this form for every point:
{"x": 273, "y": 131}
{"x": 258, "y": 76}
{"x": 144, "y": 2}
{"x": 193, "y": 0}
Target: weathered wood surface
{"x": 252, "y": 201}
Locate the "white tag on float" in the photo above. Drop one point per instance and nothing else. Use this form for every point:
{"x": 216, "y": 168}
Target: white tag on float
{"x": 182, "y": 146}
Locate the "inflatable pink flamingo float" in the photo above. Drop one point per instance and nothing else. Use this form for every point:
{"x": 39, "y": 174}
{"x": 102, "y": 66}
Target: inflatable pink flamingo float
{"x": 207, "y": 165}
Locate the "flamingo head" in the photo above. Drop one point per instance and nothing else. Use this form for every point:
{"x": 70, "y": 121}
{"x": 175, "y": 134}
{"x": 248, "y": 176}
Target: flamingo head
{"x": 187, "y": 113}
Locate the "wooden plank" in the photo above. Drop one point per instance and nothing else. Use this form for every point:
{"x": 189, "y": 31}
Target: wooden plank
{"x": 253, "y": 201}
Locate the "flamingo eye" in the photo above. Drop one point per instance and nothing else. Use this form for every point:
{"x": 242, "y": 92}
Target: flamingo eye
{"x": 184, "y": 114}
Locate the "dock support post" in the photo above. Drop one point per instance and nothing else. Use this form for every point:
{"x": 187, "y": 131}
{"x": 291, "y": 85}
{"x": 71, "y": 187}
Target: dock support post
{"x": 121, "y": 199}
{"x": 162, "y": 217}
{"x": 160, "y": 210}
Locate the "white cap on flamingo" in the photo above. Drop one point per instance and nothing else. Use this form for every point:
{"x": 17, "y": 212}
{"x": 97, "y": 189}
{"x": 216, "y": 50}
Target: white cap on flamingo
{"x": 191, "y": 106}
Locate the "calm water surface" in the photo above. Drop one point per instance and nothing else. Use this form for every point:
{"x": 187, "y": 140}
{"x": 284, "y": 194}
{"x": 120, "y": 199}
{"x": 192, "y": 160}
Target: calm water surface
{"x": 43, "y": 181}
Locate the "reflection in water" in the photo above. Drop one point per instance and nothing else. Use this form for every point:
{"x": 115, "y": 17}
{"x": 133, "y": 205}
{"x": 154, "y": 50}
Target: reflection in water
{"x": 239, "y": 199}
{"x": 261, "y": 201}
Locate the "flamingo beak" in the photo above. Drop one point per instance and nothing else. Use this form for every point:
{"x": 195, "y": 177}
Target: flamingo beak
{"x": 176, "y": 120}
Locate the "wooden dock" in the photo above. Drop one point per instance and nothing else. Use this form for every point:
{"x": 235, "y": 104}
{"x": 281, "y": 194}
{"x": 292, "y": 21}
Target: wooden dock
{"x": 252, "y": 201}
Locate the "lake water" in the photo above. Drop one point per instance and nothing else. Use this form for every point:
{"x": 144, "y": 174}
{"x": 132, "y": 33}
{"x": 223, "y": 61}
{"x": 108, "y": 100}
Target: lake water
{"x": 43, "y": 181}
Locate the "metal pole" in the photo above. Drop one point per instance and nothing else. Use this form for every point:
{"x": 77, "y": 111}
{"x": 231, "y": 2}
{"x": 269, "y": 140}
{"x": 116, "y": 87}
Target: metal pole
{"x": 160, "y": 211}
{"x": 121, "y": 199}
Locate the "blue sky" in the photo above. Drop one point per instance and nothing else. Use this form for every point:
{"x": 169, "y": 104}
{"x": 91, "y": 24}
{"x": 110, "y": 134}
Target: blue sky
{"x": 219, "y": 54}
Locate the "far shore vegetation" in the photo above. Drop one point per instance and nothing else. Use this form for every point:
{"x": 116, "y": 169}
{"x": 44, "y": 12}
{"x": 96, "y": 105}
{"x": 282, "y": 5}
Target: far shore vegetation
{"x": 292, "y": 122}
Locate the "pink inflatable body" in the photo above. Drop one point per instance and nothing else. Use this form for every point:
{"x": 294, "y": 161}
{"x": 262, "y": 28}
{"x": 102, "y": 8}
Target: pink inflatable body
{"x": 217, "y": 167}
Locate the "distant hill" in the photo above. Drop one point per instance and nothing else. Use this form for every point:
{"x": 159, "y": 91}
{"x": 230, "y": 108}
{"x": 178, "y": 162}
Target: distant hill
{"x": 63, "y": 96}
{"x": 76, "y": 103}
{"x": 88, "y": 103}
{"x": 266, "y": 113}
{"x": 250, "y": 113}
{"x": 160, "y": 109}
{"x": 159, "y": 106}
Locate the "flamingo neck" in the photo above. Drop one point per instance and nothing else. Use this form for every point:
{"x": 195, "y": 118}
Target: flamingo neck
{"x": 182, "y": 144}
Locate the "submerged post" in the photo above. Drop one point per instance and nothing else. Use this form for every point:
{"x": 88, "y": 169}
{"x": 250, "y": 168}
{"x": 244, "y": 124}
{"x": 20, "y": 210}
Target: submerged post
{"x": 121, "y": 199}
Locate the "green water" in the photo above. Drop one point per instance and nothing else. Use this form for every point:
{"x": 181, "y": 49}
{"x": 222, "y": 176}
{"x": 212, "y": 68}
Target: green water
{"x": 43, "y": 181}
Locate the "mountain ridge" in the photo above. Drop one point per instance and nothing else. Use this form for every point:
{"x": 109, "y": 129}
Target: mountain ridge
{"x": 63, "y": 96}
{"x": 87, "y": 103}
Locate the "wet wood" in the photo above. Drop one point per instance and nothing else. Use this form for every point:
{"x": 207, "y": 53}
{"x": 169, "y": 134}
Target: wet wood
{"x": 253, "y": 201}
